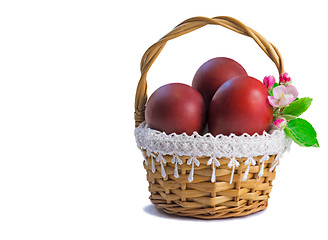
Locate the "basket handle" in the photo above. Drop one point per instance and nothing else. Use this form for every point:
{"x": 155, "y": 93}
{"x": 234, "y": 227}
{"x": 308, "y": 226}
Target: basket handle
{"x": 187, "y": 26}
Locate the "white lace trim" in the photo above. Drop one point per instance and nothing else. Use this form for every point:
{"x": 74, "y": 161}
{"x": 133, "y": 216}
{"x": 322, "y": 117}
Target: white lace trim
{"x": 158, "y": 143}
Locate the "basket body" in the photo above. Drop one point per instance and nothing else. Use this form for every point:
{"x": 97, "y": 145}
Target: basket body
{"x": 207, "y": 176}
{"x": 204, "y": 199}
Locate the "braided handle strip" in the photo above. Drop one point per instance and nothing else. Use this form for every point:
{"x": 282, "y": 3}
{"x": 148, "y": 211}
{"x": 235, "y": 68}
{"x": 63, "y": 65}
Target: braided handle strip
{"x": 187, "y": 26}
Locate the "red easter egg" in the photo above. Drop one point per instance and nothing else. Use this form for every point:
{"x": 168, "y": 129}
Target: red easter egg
{"x": 240, "y": 106}
{"x": 213, "y": 73}
{"x": 176, "y": 108}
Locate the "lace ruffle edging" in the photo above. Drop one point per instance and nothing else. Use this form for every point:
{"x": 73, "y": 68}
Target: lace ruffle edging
{"x": 156, "y": 144}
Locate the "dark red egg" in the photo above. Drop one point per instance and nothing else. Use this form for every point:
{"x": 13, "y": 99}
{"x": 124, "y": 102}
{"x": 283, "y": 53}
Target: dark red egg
{"x": 176, "y": 108}
{"x": 213, "y": 73}
{"x": 240, "y": 106}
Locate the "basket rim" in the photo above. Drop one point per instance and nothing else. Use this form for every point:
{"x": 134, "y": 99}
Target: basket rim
{"x": 232, "y": 146}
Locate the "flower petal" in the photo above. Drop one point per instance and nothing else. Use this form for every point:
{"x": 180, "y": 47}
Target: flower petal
{"x": 279, "y": 91}
{"x": 292, "y": 90}
{"x": 269, "y": 81}
{"x": 284, "y": 78}
{"x": 273, "y": 101}
{"x": 286, "y": 99}
{"x": 280, "y": 122}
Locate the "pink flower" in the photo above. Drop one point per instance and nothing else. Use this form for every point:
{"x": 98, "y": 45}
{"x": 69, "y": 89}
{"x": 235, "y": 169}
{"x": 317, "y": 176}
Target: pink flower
{"x": 282, "y": 95}
{"x": 284, "y": 78}
{"x": 280, "y": 122}
{"x": 269, "y": 81}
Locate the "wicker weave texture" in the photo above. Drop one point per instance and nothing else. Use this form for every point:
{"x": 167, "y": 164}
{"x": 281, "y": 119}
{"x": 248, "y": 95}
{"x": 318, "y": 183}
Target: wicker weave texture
{"x": 203, "y": 199}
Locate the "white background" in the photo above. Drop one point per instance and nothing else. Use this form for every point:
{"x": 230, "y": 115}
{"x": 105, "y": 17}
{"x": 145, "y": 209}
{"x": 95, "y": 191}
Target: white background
{"x": 69, "y": 165}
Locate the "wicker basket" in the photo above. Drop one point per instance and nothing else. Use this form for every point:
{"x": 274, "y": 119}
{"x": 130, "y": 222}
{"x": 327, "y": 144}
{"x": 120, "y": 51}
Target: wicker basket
{"x": 229, "y": 195}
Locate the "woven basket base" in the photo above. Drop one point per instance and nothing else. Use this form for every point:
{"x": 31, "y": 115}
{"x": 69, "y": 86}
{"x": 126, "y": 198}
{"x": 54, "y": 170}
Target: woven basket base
{"x": 204, "y": 199}
{"x": 211, "y": 213}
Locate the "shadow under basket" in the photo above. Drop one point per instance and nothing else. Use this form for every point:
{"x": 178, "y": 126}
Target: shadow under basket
{"x": 204, "y": 199}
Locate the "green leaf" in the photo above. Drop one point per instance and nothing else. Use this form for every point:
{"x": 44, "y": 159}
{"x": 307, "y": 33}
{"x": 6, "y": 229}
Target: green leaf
{"x": 302, "y": 132}
{"x": 297, "y": 107}
{"x": 274, "y": 85}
